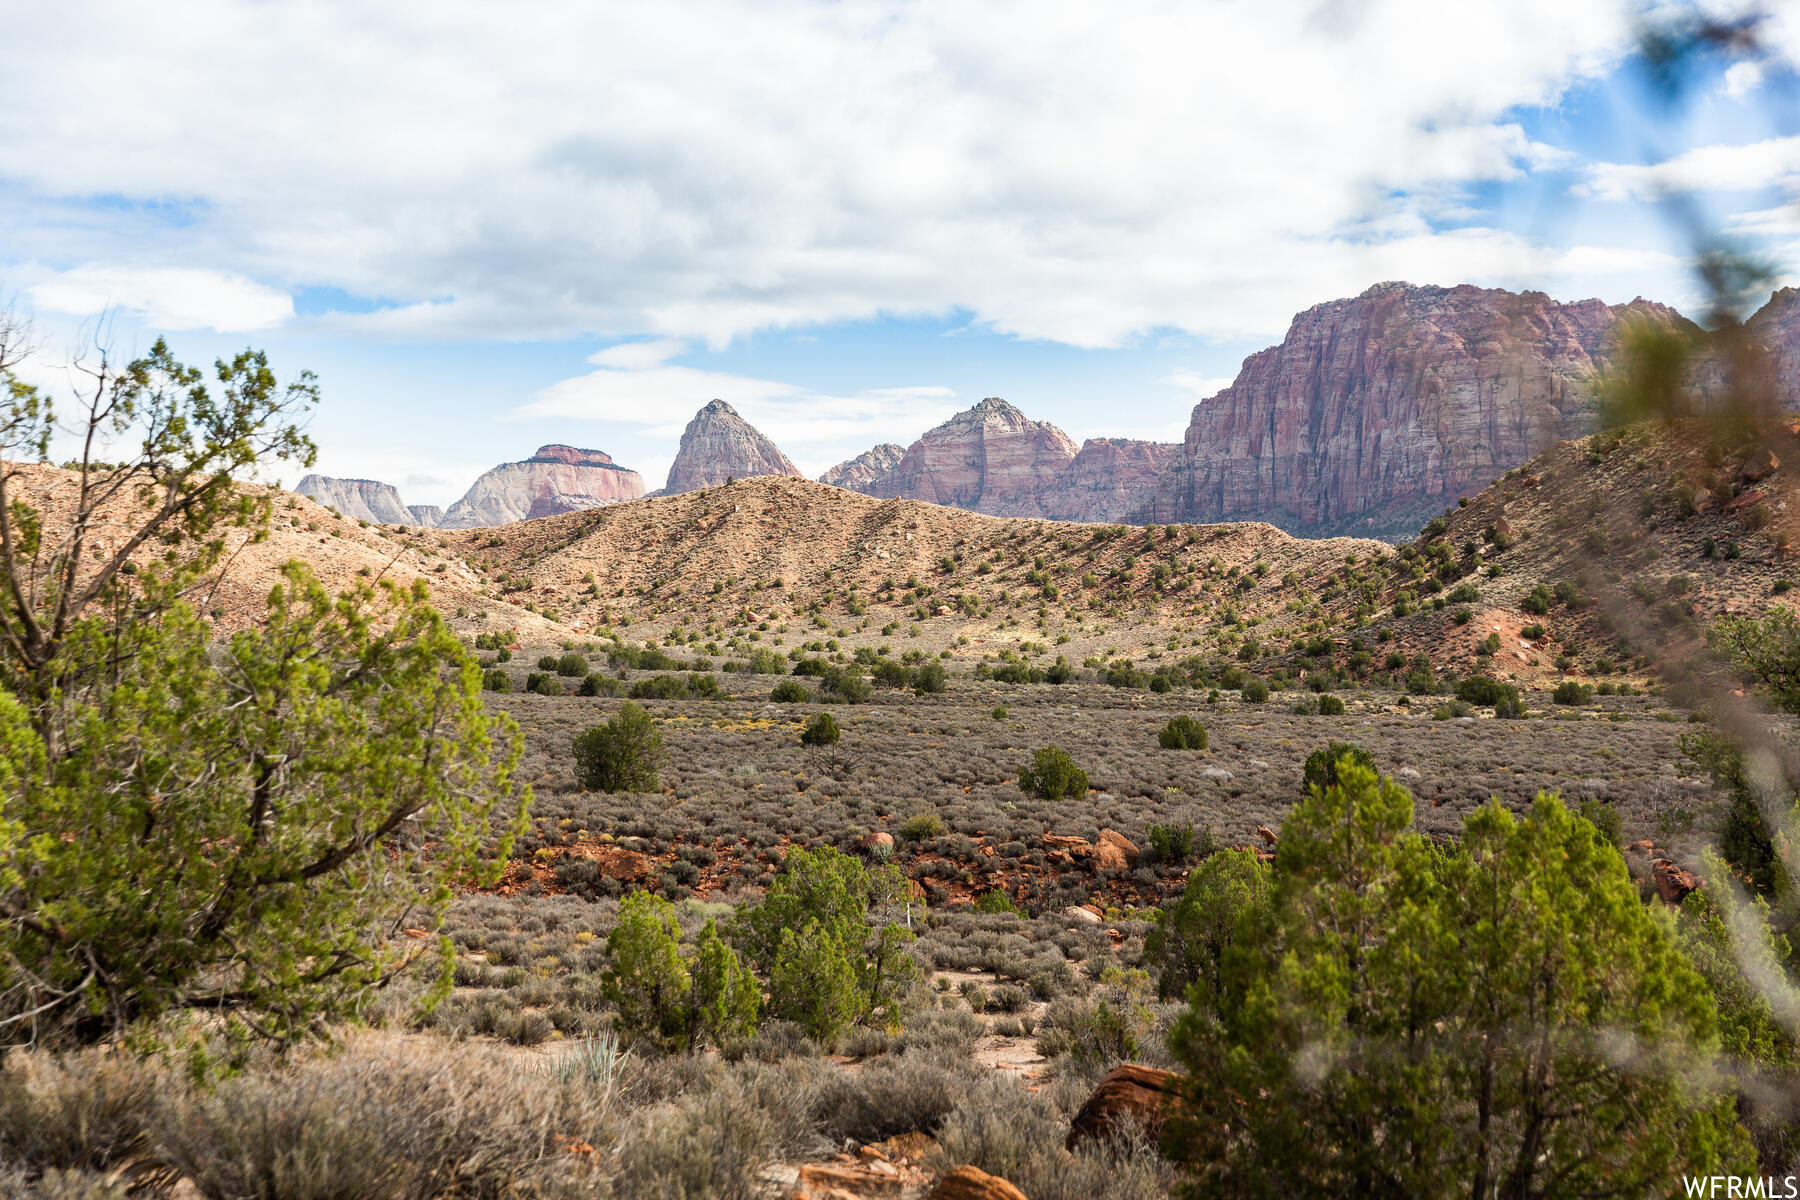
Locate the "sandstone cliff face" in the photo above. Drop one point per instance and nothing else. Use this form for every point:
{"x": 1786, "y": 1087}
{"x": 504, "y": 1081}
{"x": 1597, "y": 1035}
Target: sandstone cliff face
{"x": 557, "y": 479}
{"x": 718, "y": 445}
{"x": 363, "y": 500}
{"x": 1110, "y": 480}
{"x": 1776, "y": 326}
{"x": 426, "y": 515}
{"x": 858, "y": 473}
{"x": 991, "y": 459}
{"x": 1376, "y": 412}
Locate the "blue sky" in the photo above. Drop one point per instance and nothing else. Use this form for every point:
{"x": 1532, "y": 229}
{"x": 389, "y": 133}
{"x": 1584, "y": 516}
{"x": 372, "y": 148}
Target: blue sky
{"x": 490, "y": 227}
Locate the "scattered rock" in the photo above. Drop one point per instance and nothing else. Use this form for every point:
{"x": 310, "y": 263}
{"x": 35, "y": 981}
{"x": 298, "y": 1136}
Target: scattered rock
{"x": 876, "y": 845}
{"x": 1672, "y": 883}
{"x": 972, "y": 1183}
{"x": 1266, "y": 834}
{"x": 1761, "y": 465}
{"x": 1113, "y": 851}
{"x": 830, "y": 1181}
{"x": 1219, "y": 773}
{"x": 1081, "y": 916}
{"x": 1131, "y": 1096}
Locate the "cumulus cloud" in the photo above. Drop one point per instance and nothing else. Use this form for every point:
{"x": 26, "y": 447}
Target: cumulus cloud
{"x": 700, "y": 169}
{"x": 1203, "y": 387}
{"x": 166, "y": 298}
{"x": 635, "y": 386}
{"x": 1772, "y": 163}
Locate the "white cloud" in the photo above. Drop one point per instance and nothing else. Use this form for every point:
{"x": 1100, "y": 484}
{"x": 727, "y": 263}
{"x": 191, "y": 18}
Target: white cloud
{"x": 1774, "y": 163}
{"x": 700, "y": 169}
{"x": 1203, "y": 387}
{"x": 171, "y": 298}
{"x": 637, "y": 356}
{"x": 1742, "y": 78}
{"x": 814, "y": 430}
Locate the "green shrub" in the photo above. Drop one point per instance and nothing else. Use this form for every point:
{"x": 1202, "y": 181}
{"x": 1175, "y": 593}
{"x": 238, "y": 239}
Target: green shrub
{"x": 820, "y": 730}
{"x": 930, "y": 678}
{"x": 846, "y": 685}
{"x": 677, "y": 997}
{"x": 547, "y": 663}
{"x": 646, "y": 979}
{"x": 1571, "y": 692}
{"x": 995, "y": 900}
{"x": 888, "y": 673}
{"x": 998, "y": 712}
{"x": 1321, "y": 769}
{"x": 572, "y": 664}
{"x": 599, "y": 685}
{"x": 790, "y": 691}
{"x": 1194, "y": 931}
{"x": 920, "y": 827}
{"x": 1172, "y": 844}
{"x": 1330, "y": 706}
{"x": 659, "y": 687}
{"x": 622, "y": 755}
{"x": 1605, "y": 818}
{"x": 1182, "y": 733}
{"x": 496, "y": 680}
{"x": 1053, "y": 775}
{"x": 1254, "y": 691}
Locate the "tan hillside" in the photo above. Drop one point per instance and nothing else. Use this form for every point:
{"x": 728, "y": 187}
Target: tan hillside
{"x": 339, "y": 550}
{"x": 780, "y": 548}
{"x": 1657, "y": 530}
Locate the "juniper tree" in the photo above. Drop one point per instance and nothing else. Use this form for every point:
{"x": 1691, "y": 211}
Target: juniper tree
{"x": 243, "y": 826}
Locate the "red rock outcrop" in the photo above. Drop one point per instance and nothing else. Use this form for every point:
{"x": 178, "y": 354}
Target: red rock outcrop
{"x": 1378, "y": 411}
{"x": 719, "y": 445}
{"x": 973, "y": 1183}
{"x": 991, "y": 459}
{"x": 1672, "y": 883}
{"x": 1129, "y": 1097}
{"x": 858, "y": 473}
{"x": 557, "y": 479}
{"x": 1111, "y": 479}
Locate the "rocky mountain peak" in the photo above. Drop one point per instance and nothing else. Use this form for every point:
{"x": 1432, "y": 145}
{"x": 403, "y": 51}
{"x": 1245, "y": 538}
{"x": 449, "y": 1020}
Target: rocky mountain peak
{"x": 858, "y": 473}
{"x": 718, "y": 445}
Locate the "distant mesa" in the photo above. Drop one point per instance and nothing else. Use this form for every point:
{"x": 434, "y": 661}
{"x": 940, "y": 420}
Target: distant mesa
{"x": 367, "y": 500}
{"x": 1376, "y": 412}
{"x": 557, "y": 479}
{"x": 718, "y": 445}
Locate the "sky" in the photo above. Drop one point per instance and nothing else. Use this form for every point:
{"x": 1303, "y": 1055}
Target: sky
{"x": 490, "y": 226}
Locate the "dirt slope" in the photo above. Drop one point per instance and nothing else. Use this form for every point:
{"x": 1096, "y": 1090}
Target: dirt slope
{"x": 339, "y": 550}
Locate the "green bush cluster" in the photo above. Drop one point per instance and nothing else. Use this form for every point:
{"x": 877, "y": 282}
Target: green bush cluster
{"x": 821, "y": 730}
{"x": 1435, "y": 972}
{"x": 622, "y": 755}
{"x": 1053, "y": 775}
{"x": 1182, "y": 733}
